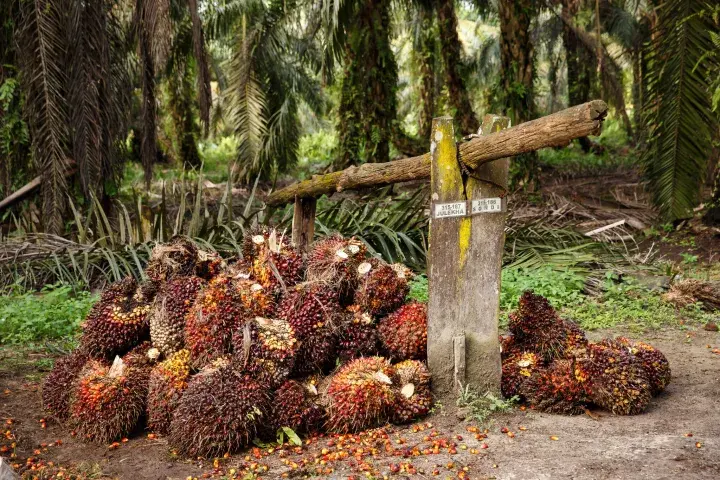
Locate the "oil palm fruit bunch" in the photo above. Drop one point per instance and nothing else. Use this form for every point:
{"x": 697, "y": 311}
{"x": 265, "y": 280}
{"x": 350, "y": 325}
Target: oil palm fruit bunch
{"x": 334, "y": 261}
{"x": 179, "y": 257}
{"x": 271, "y": 255}
{"x": 403, "y": 333}
{"x": 362, "y": 395}
{"x": 210, "y": 323}
{"x": 554, "y": 389}
{"x": 266, "y": 348}
{"x": 255, "y": 299}
{"x": 657, "y": 367}
{"x": 357, "y": 335}
{"x": 167, "y": 317}
{"x": 107, "y": 402}
{"x": 308, "y": 307}
{"x": 382, "y": 287}
{"x": 613, "y": 379}
{"x": 168, "y": 381}
{"x": 118, "y": 321}
{"x": 209, "y": 265}
{"x": 536, "y": 327}
{"x": 316, "y": 352}
{"x": 294, "y": 406}
{"x": 517, "y": 367}
{"x": 415, "y": 398}
{"x": 58, "y": 385}
{"x": 221, "y": 411}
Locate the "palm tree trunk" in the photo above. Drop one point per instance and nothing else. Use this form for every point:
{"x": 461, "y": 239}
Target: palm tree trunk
{"x": 452, "y": 60}
{"x": 425, "y": 55}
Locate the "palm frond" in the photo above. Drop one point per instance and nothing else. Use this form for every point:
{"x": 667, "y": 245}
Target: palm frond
{"x": 678, "y": 108}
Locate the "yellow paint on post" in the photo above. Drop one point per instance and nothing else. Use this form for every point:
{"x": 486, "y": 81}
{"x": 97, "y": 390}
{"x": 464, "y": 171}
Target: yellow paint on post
{"x": 447, "y": 156}
{"x": 464, "y": 240}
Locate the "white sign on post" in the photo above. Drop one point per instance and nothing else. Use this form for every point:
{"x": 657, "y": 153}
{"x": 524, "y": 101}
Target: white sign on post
{"x": 449, "y": 210}
{"x": 487, "y": 205}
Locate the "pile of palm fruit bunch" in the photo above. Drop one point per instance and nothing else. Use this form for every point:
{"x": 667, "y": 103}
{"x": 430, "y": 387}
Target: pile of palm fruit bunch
{"x": 548, "y": 362}
{"x": 214, "y": 353}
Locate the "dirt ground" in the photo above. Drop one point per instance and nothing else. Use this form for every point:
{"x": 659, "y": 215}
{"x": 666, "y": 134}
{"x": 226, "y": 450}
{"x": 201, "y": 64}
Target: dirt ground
{"x": 677, "y": 437}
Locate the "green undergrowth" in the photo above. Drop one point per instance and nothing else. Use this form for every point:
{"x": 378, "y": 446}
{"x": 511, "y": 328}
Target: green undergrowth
{"x": 53, "y": 313}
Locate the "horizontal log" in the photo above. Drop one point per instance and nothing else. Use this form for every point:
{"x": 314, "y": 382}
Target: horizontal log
{"x": 30, "y": 188}
{"x": 555, "y": 130}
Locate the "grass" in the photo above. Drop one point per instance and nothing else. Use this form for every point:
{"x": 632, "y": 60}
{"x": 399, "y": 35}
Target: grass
{"x": 54, "y": 313}
{"x": 481, "y": 407}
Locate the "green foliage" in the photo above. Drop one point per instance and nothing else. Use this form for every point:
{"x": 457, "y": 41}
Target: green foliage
{"x": 53, "y": 313}
{"x": 14, "y": 135}
{"x": 482, "y": 407}
{"x": 561, "y": 287}
{"x": 689, "y": 258}
{"x": 418, "y": 289}
{"x": 315, "y": 153}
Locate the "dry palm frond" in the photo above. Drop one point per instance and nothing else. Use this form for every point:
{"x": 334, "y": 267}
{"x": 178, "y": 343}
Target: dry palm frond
{"x": 689, "y": 291}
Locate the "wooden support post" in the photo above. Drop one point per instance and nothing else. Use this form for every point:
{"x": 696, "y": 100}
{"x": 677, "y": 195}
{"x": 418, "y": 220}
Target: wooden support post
{"x": 303, "y": 229}
{"x": 464, "y": 265}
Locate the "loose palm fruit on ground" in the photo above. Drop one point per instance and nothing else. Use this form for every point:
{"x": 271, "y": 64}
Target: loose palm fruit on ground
{"x": 273, "y": 262}
{"x": 403, "y": 333}
{"x": 517, "y": 367}
{"x": 168, "y": 381}
{"x": 176, "y": 258}
{"x": 653, "y": 361}
{"x": 554, "y": 389}
{"x": 334, "y": 261}
{"x": 220, "y": 412}
{"x": 118, "y": 321}
{"x": 58, "y": 385}
{"x": 108, "y": 402}
{"x": 362, "y": 394}
{"x": 357, "y": 335}
{"x": 613, "y": 379}
{"x": 209, "y": 325}
{"x": 294, "y": 406}
{"x": 171, "y": 306}
{"x": 415, "y": 398}
{"x": 266, "y": 349}
{"x": 382, "y": 288}
{"x": 308, "y": 307}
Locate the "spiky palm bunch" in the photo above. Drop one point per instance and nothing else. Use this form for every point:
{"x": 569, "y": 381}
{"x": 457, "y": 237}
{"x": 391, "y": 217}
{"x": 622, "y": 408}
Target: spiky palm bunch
{"x": 167, "y": 317}
{"x": 517, "y": 367}
{"x": 316, "y": 352}
{"x": 334, "y": 261}
{"x": 382, "y": 288}
{"x": 267, "y": 350}
{"x": 362, "y": 394}
{"x": 168, "y": 381}
{"x": 254, "y": 298}
{"x": 403, "y": 333}
{"x": 415, "y": 398}
{"x": 168, "y": 260}
{"x": 107, "y": 402}
{"x": 554, "y": 389}
{"x": 221, "y": 411}
{"x": 357, "y": 335}
{"x": 613, "y": 379}
{"x": 308, "y": 307}
{"x": 210, "y": 323}
{"x": 58, "y": 385}
{"x": 295, "y": 406}
{"x": 653, "y": 361}
{"x": 274, "y": 262}
{"x": 118, "y": 321}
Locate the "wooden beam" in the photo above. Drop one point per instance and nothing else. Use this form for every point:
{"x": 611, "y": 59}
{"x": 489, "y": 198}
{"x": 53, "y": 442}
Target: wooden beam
{"x": 303, "y": 228}
{"x": 554, "y": 130}
{"x": 30, "y": 187}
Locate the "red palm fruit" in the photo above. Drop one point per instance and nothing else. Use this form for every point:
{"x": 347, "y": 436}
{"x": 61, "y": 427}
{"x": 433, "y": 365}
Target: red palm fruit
{"x": 357, "y": 335}
{"x": 613, "y": 379}
{"x": 209, "y": 325}
{"x": 168, "y": 381}
{"x": 118, "y": 321}
{"x": 554, "y": 389}
{"x": 171, "y": 306}
{"x": 266, "y": 349}
{"x": 415, "y": 398}
{"x": 334, "y": 261}
{"x": 270, "y": 255}
{"x": 308, "y": 307}
{"x": 168, "y": 260}
{"x": 361, "y": 395}
{"x": 517, "y": 367}
{"x": 255, "y": 299}
{"x": 382, "y": 288}
{"x": 57, "y": 386}
{"x": 108, "y": 402}
{"x": 294, "y": 406}
{"x": 657, "y": 367}
{"x": 220, "y": 412}
{"x": 403, "y": 333}
{"x": 536, "y": 327}
{"x": 315, "y": 353}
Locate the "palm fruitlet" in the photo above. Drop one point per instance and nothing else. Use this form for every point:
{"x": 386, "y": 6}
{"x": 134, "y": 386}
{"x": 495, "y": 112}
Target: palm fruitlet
{"x": 274, "y": 263}
{"x": 415, "y": 398}
{"x": 382, "y": 288}
{"x": 266, "y": 348}
{"x": 613, "y": 379}
{"x": 168, "y": 381}
{"x": 357, "y": 335}
{"x": 316, "y": 352}
{"x": 254, "y": 298}
{"x": 554, "y": 389}
{"x": 334, "y": 261}
{"x": 58, "y": 385}
{"x": 653, "y": 361}
{"x": 309, "y": 307}
{"x": 221, "y": 411}
{"x": 517, "y": 367}
{"x": 167, "y": 317}
{"x": 118, "y": 321}
{"x": 295, "y": 406}
{"x": 403, "y": 333}
{"x": 362, "y": 395}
